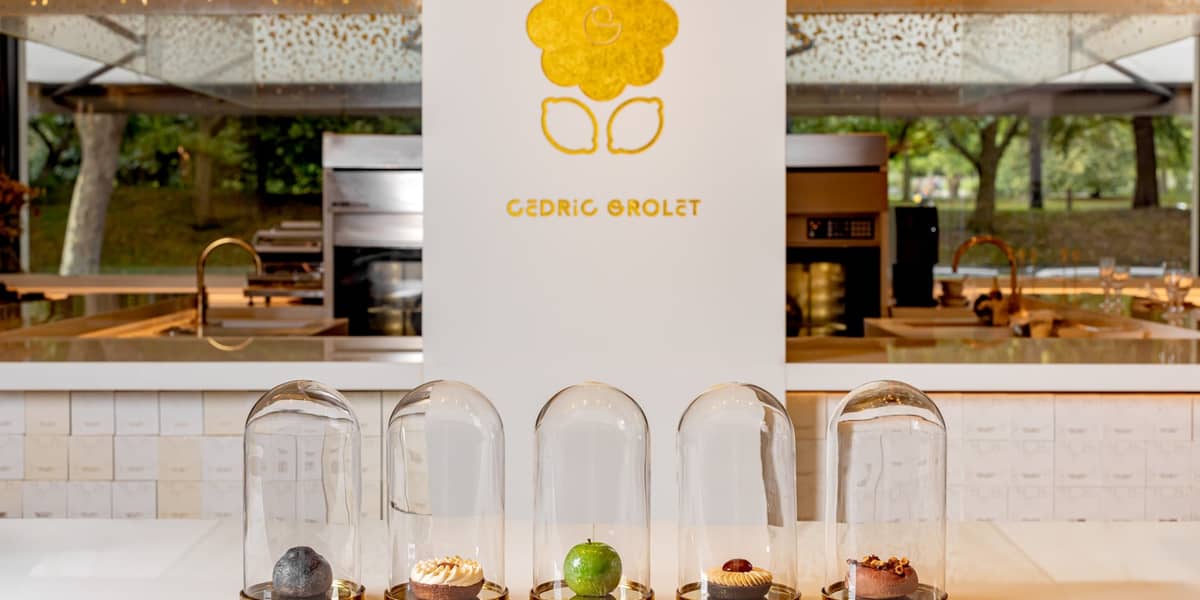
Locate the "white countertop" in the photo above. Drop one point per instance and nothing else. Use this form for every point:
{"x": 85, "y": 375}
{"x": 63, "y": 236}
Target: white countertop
{"x": 183, "y": 560}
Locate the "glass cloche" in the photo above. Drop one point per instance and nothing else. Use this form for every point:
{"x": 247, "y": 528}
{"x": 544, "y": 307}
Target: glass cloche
{"x": 885, "y": 509}
{"x": 591, "y": 504}
{"x": 301, "y": 527}
{"x": 736, "y": 452}
{"x": 445, "y": 510}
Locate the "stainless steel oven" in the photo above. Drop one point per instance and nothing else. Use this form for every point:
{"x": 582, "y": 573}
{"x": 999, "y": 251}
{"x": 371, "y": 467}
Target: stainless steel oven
{"x": 373, "y": 204}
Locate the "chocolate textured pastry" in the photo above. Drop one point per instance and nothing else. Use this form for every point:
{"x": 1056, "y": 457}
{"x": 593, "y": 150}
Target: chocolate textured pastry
{"x": 875, "y": 579}
{"x": 737, "y": 579}
{"x": 301, "y": 574}
{"x": 447, "y": 578}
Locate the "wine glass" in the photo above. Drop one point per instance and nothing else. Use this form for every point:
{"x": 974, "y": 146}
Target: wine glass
{"x": 1178, "y": 281}
{"x": 1108, "y": 265}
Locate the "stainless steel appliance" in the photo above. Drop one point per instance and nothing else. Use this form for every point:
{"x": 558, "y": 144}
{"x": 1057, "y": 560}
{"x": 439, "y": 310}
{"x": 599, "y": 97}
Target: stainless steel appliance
{"x": 373, "y": 204}
{"x": 292, "y": 255}
{"x": 836, "y": 232}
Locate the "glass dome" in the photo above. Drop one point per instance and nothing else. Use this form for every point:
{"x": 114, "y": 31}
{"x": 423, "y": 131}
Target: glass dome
{"x": 885, "y": 509}
{"x": 445, "y": 510}
{"x": 591, "y": 502}
{"x": 736, "y": 452}
{"x": 303, "y": 483}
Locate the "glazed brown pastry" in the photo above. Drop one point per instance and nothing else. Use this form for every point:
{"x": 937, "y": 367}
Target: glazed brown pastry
{"x": 449, "y": 578}
{"x": 737, "y": 579}
{"x": 877, "y": 579}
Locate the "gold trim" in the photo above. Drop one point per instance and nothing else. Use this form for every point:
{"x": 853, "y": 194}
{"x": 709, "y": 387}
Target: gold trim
{"x": 777, "y": 592}
{"x": 647, "y": 593}
{"x": 346, "y": 589}
{"x": 499, "y": 592}
{"x": 657, "y": 134}
{"x": 837, "y": 591}
{"x": 554, "y": 142}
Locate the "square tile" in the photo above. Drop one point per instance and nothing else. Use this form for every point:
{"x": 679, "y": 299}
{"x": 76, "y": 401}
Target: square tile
{"x": 1033, "y": 464}
{"x": 807, "y": 411}
{"x": 225, "y": 412}
{"x": 1124, "y": 463}
{"x": 136, "y": 413}
{"x": 985, "y": 503}
{"x": 91, "y": 458}
{"x": 179, "y": 459}
{"x": 135, "y": 499}
{"x": 282, "y": 496}
{"x": 1077, "y": 464}
{"x": 372, "y": 457}
{"x": 46, "y": 458}
{"x": 12, "y": 413}
{"x": 1124, "y": 504}
{"x": 1125, "y": 417}
{"x": 92, "y": 413}
{"x": 1031, "y": 504}
{"x": 180, "y": 500}
{"x": 10, "y": 499}
{"x": 44, "y": 499}
{"x": 956, "y": 469}
{"x": 89, "y": 499}
{"x": 1032, "y": 416}
{"x": 954, "y": 503}
{"x": 1169, "y": 418}
{"x": 950, "y": 405}
{"x": 180, "y": 413}
{"x": 1078, "y": 418}
{"x": 1168, "y": 464}
{"x": 986, "y": 417}
{"x": 368, "y": 407}
{"x": 47, "y": 413}
{"x": 987, "y": 463}
{"x": 222, "y": 457}
{"x": 1168, "y": 504}
{"x": 221, "y": 499}
{"x": 372, "y": 500}
{"x": 135, "y": 457}
{"x": 1078, "y": 504}
{"x": 12, "y": 457}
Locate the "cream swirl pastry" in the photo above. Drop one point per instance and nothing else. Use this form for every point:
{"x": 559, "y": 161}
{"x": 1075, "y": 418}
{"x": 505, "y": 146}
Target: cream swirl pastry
{"x": 447, "y": 578}
{"x": 451, "y": 570}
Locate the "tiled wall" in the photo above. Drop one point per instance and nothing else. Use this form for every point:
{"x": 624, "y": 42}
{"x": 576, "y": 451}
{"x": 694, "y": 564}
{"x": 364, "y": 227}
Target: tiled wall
{"x": 123, "y": 455}
{"x": 1044, "y": 457}
{"x": 1019, "y": 457}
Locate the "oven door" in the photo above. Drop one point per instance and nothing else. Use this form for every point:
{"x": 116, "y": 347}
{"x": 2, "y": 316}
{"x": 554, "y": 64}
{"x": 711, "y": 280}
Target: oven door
{"x": 378, "y": 290}
{"x": 831, "y": 290}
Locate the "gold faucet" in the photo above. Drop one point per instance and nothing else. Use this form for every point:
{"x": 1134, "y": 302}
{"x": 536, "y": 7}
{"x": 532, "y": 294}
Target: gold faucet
{"x": 1014, "y": 303}
{"x": 202, "y": 291}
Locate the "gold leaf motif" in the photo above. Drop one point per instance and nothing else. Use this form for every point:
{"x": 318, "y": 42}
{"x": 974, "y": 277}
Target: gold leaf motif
{"x": 602, "y": 46}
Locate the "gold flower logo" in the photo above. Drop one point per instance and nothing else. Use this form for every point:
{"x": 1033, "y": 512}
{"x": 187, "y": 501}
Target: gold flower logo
{"x": 602, "y": 45}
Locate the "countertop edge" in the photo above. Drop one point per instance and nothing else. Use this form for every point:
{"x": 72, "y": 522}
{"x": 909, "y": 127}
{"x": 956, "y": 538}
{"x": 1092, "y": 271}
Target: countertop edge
{"x": 999, "y": 377}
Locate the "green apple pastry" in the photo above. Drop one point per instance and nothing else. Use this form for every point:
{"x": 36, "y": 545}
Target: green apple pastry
{"x": 592, "y": 569}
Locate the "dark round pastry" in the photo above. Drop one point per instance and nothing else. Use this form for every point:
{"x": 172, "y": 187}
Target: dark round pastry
{"x": 301, "y": 574}
{"x": 876, "y": 579}
{"x": 737, "y": 579}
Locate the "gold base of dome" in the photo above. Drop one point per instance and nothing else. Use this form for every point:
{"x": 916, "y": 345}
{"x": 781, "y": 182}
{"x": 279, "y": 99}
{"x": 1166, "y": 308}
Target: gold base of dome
{"x": 837, "y": 591}
{"x": 346, "y": 590}
{"x": 490, "y": 591}
{"x": 558, "y": 590}
{"x": 692, "y": 591}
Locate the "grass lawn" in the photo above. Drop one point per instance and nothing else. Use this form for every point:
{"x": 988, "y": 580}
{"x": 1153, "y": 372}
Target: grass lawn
{"x": 149, "y": 230}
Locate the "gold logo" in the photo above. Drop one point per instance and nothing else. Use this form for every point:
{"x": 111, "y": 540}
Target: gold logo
{"x": 602, "y": 48}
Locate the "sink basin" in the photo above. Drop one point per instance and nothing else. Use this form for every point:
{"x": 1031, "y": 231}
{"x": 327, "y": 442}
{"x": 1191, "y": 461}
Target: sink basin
{"x": 240, "y": 322}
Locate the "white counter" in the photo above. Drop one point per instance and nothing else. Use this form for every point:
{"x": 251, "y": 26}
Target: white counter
{"x": 201, "y": 560}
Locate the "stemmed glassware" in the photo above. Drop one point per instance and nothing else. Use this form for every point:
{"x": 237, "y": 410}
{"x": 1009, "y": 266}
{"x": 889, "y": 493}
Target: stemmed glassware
{"x": 1108, "y": 266}
{"x": 1178, "y": 281}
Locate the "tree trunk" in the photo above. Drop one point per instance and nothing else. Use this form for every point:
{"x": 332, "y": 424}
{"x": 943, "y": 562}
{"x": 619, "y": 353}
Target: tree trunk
{"x": 955, "y": 184}
{"x": 988, "y": 165}
{"x": 100, "y": 140}
{"x": 202, "y": 209}
{"x": 1037, "y": 129}
{"x": 1145, "y": 193}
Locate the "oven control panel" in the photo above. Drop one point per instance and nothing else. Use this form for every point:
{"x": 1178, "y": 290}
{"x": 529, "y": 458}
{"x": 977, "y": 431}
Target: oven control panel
{"x": 841, "y": 228}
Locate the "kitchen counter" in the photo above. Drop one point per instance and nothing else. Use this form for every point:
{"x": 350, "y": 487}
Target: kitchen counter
{"x": 184, "y": 560}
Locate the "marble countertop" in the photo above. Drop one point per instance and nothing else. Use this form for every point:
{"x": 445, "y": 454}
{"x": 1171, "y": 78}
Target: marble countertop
{"x": 185, "y": 560}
